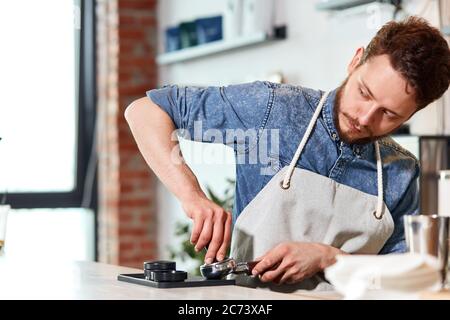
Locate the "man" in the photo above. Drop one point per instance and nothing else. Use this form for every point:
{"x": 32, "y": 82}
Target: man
{"x": 334, "y": 183}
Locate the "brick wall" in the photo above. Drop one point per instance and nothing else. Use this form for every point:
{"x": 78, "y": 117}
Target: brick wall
{"x": 126, "y": 48}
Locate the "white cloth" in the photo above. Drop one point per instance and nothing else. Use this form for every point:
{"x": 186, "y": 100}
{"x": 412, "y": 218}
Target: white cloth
{"x": 392, "y": 276}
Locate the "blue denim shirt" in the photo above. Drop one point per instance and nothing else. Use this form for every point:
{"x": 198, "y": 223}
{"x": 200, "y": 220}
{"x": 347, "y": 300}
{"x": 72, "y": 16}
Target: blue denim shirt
{"x": 265, "y": 106}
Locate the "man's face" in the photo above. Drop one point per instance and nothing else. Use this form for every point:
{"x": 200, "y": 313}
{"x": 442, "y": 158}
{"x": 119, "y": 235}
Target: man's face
{"x": 373, "y": 101}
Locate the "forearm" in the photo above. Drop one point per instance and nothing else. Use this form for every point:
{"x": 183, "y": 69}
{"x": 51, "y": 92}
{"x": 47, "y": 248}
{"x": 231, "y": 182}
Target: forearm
{"x": 153, "y": 131}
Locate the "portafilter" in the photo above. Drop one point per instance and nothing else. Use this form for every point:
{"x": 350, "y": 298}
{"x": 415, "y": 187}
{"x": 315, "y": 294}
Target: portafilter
{"x": 220, "y": 269}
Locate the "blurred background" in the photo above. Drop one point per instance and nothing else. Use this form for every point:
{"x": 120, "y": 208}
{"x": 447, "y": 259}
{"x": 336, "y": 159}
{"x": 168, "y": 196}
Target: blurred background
{"x": 69, "y": 167}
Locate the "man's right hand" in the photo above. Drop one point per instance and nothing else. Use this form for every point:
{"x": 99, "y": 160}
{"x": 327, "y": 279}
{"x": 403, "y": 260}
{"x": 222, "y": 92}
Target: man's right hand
{"x": 212, "y": 227}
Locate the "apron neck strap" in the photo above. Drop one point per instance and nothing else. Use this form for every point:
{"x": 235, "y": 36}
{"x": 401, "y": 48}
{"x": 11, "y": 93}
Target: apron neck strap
{"x": 290, "y": 170}
{"x": 287, "y": 177}
{"x": 379, "y": 213}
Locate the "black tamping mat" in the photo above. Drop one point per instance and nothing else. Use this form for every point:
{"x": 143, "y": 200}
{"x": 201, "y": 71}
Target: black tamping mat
{"x": 139, "y": 278}
{"x": 163, "y": 274}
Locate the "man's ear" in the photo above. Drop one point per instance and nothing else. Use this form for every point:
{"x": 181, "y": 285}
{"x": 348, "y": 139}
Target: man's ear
{"x": 355, "y": 60}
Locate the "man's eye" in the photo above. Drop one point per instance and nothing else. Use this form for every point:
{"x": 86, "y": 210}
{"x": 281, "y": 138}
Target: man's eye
{"x": 388, "y": 113}
{"x": 362, "y": 93}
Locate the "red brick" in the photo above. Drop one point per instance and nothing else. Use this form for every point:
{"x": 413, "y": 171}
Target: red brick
{"x": 135, "y": 34}
{"x": 128, "y": 174}
{"x": 125, "y": 217}
{"x": 149, "y": 70}
{"x": 141, "y": 184}
{"x": 147, "y": 245}
{"x": 147, "y": 21}
{"x": 136, "y": 232}
{"x": 127, "y": 20}
{"x": 124, "y": 189}
{"x": 126, "y": 246}
{"x": 124, "y": 77}
{"x": 137, "y": 4}
{"x": 128, "y": 147}
{"x": 145, "y": 218}
{"x": 136, "y": 61}
{"x": 134, "y": 202}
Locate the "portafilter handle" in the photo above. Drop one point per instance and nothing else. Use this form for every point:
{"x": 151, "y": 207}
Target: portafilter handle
{"x": 245, "y": 267}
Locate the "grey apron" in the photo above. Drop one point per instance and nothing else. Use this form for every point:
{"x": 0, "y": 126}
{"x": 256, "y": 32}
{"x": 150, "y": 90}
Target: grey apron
{"x": 302, "y": 206}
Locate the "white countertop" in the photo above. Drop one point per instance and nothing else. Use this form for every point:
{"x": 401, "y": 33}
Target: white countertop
{"x": 22, "y": 279}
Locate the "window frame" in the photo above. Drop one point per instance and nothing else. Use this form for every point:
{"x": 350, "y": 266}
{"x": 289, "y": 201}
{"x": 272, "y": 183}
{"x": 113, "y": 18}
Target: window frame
{"x": 85, "y": 127}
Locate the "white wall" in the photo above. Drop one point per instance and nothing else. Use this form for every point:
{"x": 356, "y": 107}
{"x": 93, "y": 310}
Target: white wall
{"x": 316, "y": 54}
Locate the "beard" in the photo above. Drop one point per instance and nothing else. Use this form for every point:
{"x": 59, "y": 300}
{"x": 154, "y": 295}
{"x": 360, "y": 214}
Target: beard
{"x": 345, "y": 136}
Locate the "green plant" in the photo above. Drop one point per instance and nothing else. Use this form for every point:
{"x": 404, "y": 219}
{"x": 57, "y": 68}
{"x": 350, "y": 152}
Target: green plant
{"x": 186, "y": 251}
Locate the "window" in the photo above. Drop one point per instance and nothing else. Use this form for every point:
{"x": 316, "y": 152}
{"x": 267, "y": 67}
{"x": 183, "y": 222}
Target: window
{"x": 38, "y": 114}
{"x": 47, "y": 101}
{"x": 47, "y": 124}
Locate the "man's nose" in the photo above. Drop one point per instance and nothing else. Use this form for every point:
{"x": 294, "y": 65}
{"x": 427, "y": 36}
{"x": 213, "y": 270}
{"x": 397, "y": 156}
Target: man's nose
{"x": 367, "y": 117}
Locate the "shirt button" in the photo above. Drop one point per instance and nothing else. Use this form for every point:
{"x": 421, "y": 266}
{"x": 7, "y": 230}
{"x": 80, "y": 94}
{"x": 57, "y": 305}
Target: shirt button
{"x": 334, "y": 135}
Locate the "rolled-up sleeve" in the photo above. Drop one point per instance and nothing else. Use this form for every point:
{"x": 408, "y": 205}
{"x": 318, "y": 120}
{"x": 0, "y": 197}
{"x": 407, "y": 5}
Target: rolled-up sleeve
{"x": 409, "y": 205}
{"x": 217, "y": 109}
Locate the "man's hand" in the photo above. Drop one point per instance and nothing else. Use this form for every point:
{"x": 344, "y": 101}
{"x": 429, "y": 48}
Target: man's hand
{"x": 212, "y": 227}
{"x": 292, "y": 262}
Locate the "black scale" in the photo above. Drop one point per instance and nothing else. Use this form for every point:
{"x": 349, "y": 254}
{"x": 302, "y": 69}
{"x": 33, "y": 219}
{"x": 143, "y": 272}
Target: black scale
{"x": 163, "y": 274}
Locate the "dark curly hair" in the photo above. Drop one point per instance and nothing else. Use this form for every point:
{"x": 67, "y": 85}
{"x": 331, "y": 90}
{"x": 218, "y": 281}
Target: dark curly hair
{"x": 418, "y": 52}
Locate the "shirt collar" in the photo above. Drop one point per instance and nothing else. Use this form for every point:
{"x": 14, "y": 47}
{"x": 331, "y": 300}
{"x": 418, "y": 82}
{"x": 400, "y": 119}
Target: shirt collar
{"x": 328, "y": 117}
{"x": 313, "y": 98}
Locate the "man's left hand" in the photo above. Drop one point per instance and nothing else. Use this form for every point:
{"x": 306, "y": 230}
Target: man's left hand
{"x": 292, "y": 262}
